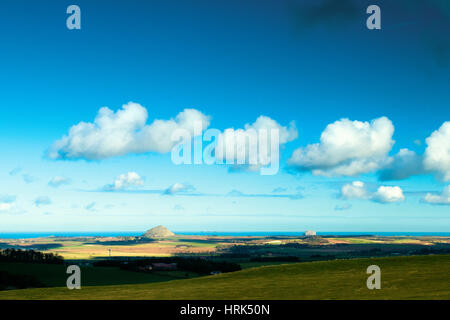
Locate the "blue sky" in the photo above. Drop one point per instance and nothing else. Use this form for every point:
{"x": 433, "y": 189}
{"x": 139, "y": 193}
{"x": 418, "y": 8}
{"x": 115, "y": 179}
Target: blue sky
{"x": 313, "y": 63}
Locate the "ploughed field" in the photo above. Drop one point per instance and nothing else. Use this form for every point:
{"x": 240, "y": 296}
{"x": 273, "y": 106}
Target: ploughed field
{"x": 402, "y": 277}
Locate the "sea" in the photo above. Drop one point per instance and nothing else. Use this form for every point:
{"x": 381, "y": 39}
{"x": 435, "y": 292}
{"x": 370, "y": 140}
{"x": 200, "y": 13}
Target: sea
{"x": 28, "y": 235}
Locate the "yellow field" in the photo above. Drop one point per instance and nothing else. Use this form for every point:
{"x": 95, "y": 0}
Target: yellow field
{"x": 95, "y": 247}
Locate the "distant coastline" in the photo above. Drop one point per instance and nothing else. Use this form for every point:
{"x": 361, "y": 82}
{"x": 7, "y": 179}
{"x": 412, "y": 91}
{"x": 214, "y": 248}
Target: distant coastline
{"x": 29, "y": 235}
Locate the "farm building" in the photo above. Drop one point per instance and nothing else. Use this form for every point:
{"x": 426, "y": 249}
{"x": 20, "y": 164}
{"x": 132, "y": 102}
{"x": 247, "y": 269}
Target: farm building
{"x": 164, "y": 266}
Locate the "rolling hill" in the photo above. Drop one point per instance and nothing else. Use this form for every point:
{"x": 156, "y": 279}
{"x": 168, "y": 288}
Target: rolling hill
{"x": 158, "y": 232}
{"x": 413, "y": 277}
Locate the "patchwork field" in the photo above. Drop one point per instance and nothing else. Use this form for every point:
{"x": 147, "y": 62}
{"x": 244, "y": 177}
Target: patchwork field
{"x": 98, "y": 247}
{"x": 315, "y": 267}
{"x": 85, "y": 248}
{"x": 413, "y": 277}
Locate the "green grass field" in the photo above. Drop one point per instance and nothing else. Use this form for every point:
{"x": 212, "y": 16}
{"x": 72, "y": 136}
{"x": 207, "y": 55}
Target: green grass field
{"x": 55, "y": 275}
{"x": 413, "y": 277}
{"x": 247, "y": 265}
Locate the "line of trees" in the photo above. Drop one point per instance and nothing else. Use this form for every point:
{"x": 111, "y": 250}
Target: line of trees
{"x": 29, "y": 256}
{"x": 16, "y": 281}
{"x": 197, "y": 265}
{"x": 275, "y": 259}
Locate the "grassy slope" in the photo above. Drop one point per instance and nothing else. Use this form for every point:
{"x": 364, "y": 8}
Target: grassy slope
{"x": 415, "y": 277}
{"x": 55, "y": 275}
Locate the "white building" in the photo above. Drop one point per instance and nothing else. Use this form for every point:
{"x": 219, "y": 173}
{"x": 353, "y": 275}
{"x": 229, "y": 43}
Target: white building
{"x": 310, "y": 233}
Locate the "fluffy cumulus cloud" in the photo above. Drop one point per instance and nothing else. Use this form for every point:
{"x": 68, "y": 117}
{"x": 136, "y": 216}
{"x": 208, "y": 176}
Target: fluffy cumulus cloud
{"x": 123, "y": 132}
{"x": 41, "y": 201}
{"x": 384, "y": 194}
{"x": 355, "y": 190}
{"x": 437, "y": 153}
{"x": 255, "y": 143}
{"x": 286, "y": 133}
{"x": 439, "y": 199}
{"x": 347, "y": 148}
{"x": 125, "y": 181}
{"x": 178, "y": 188}
{"x": 435, "y": 160}
{"x": 404, "y": 164}
{"x": 58, "y": 181}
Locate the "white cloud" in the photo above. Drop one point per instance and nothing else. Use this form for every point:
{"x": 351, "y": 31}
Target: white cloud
{"x": 6, "y": 206}
{"x": 347, "y": 148}
{"x": 125, "y": 181}
{"x": 58, "y": 181}
{"x": 249, "y": 145}
{"x": 355, "y": 190}
{"x": 40, "y": 201}
{"x": 123, "y": 132}
{"x": 443, "y": 198}
{"x": 178, "y": 188}
{"x": 384, "y": 194}
{"x": 286, "y": 133}
{"x": 437, "y": 153}
{"x": 404, "y": 164}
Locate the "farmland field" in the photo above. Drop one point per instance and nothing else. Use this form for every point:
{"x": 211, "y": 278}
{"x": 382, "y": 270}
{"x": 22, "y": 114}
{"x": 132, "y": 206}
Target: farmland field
{"x": 279, "y": 267}
{"x": 413, "y": 277}
{"x": 86, "y": 248}
{"x": 55, "y": 275}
